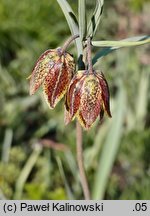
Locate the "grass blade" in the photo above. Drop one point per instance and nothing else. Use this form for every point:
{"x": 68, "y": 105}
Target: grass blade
{"x": 67, "y": 187}
{"x": 119, "y": 43}
{"x": 110, "y": 148}
{"x": 26, "y": 171}
{"x": 142, "y": 99}
{"x": 72, "y": 165}
{"x": 82, "y": 18}
{"x": 7, "y": 145}
{"x": 71, "y": 20}
{"x": 95, "y": 19}
{"x": 114, "y": 45}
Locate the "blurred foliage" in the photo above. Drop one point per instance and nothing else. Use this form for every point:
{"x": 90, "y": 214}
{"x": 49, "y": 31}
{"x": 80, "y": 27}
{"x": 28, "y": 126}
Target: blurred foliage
{"x": 26, "y": 30}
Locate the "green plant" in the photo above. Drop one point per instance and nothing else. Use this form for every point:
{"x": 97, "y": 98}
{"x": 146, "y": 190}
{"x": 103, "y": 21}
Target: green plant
{"x": 55, "y": 68}
{"x": 51, "y": 68}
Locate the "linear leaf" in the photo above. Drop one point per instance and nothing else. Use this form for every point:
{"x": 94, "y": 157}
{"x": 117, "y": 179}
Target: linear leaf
{"x": 26, "y": 171}
{"x": 7, "y": 145}
{"x": 82, "y": 18}
{"x": 72, "y": 21}
{"x": 142, "y": 99}
{"x": 119, "y": 43}
{"x": 114, "y": 45}
{"x": 62, "y": 172}
{"x": 95, "y": 19}
{"x": 110, "y": 148}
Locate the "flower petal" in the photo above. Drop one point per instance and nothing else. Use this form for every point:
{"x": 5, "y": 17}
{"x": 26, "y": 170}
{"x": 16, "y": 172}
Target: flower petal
{"x": 90, "y": 103}
{"x": 49, "y": 84}
{"x": 42, "y": 68}
{"x": 101, "y": 115}
{"x": 74, "y": 93}
{"x": 105, "y": 92}
{"x": 81, "y": 120}
{"x": 57, "y": 82}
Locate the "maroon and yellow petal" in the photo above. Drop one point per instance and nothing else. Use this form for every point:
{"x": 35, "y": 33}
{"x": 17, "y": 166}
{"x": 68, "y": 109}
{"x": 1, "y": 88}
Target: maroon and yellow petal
{"x": 101, "y": 115}
{"x": 50, "y": 83}
{"x": 42, "y": 68}
{"x": 90, "y": 103}
{"x": 105, "y": 92}
{"x": 74, "y": 93}
{"x": 81, "y": 120}
{"x": 57, "y": 82}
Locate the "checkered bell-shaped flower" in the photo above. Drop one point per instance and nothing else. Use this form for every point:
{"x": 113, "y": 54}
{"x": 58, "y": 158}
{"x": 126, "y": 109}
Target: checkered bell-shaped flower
{"x": 53, "y": 70}
{"x": 87, "y": 98}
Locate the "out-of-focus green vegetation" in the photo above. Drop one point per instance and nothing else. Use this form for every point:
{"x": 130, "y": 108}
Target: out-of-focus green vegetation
{"x": 38, "y": 153}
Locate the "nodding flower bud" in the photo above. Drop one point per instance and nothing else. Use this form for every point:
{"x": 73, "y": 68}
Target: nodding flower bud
{"x": 87, "y": 97}
{"x": 53, "y": 70}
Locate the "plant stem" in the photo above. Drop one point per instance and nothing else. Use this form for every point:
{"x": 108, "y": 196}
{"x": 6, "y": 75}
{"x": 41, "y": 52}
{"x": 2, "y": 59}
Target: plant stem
{"x": 68, "y": 42}
{"x": 89, "y": 55}
{"x": 84, "y": 182}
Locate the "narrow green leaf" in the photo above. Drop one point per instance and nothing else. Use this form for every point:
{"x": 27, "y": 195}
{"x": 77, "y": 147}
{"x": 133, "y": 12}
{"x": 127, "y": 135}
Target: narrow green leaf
{"x": 114, "y": 45}
{"x": 26, "y": 171}
{"x": 70, "y": 16}
{"x": 7, "y": 145}
{"x": 93, "y": 152}
{"x": 142, "y": 99}
{"x": 82, "y": 18}
{"x": 117, "y": 44}
{"x": 67, "y": 187}
{"x": 95, "y": 19}
{"x": 110, "y": 148}
{"x": 72, "y": 164}
{"x": 72, "y": 22}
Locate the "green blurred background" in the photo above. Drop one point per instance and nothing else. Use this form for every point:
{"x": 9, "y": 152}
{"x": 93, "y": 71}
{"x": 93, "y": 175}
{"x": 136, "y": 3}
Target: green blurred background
{"x": 37, "y": 152}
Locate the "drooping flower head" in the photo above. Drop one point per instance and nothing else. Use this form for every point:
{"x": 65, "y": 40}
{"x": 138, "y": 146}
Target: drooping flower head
{"x": 87, "y": 97}
{"x": 54, "y": 70}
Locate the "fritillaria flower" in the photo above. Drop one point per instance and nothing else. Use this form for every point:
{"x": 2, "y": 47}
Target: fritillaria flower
{"x": 87, "y": 98}
{"x": 53, "y": 70}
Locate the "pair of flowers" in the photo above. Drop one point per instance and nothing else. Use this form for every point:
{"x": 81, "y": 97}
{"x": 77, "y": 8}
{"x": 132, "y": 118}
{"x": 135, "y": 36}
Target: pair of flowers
{"x": 87, "y": 92}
